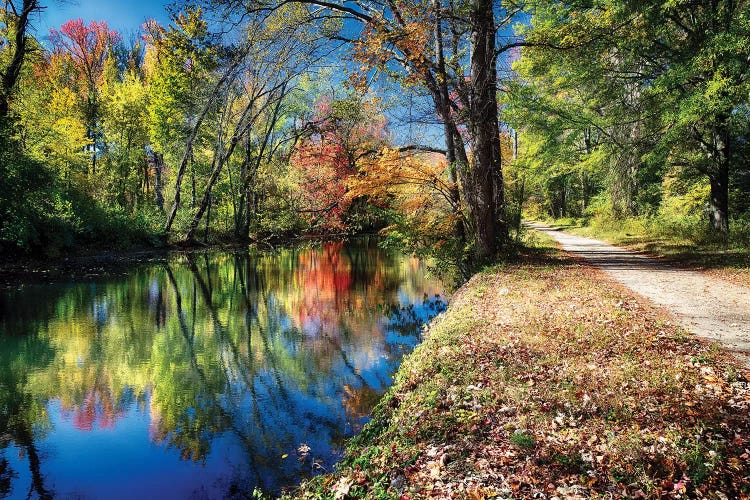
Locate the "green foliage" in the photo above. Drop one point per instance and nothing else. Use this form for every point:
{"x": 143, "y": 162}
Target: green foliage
{"x": 629, "y": 94}
{"x": 42, "y": 213}
{"x": 24, "y": 204}
{"x": 522, "y": 439}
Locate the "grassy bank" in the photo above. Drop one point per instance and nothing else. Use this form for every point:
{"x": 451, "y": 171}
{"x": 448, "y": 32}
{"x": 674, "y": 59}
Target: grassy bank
{"x": 687, "y": 244}
{"x": 545, "y": 379}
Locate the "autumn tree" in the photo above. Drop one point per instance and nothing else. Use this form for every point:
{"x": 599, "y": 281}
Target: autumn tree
{"x": 179, "y": 63}
{"x": 82, "y": 51}
{"x": 344, "y": 134}
{"x": 124, "y": 127}
{"x": 237, "y": 114}
{"x": 417, "y": 188}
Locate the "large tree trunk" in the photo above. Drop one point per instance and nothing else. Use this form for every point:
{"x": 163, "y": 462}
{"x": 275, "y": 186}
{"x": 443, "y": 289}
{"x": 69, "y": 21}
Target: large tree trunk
{"x": 487, "y": 197}
{"x": 719, "y": 178}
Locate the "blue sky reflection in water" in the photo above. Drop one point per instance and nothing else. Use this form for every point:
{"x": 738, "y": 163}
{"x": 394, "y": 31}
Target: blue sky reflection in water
{"x": 202, "y": 375}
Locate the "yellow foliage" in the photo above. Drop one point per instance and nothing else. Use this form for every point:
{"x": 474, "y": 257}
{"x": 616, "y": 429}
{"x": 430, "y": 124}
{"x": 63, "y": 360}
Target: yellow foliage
{"x": 415, "y": 186}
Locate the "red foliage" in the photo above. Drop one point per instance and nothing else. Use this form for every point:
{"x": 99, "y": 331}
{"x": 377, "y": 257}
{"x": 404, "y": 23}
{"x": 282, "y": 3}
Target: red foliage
{"x": 323, "y": 166}
{"x": 86, "y": 47}
{"x": 98, "y": 409}
{"x": 345, "y": 133}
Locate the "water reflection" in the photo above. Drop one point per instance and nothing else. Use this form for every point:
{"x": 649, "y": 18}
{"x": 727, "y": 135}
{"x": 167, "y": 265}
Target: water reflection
{"x": 204, "y": 375}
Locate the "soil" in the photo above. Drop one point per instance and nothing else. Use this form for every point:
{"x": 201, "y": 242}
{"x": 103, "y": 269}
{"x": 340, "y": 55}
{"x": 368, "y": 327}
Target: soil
{"x": 709, "y": 307}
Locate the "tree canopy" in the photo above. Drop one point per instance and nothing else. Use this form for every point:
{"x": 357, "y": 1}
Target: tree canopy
{"x": 270, "y": 118}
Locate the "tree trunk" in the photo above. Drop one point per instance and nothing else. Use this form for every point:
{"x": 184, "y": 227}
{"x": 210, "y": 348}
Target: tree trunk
{"x": 13, "y": 71}
{"x": 450, "y": 142}
{"x": 158, "y": 166}
{"x": 183, "y": 164}
{"x": 242, "y": 213}
{"x": 252, "y": 174}
{"x": 208, "y": 220}
{"x": 192, "y": 183}
{"x": 218, "y": 165}
{"x": 487, "y": 197}
{"x": 719, "y": 178}
{"x": 719, "y": 201}
{"x": 220, "y": 158}
{"x": 191, "y": 140}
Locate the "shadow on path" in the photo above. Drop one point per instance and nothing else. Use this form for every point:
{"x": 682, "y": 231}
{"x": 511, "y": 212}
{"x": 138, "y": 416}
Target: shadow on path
{"x": 709, "y": 307}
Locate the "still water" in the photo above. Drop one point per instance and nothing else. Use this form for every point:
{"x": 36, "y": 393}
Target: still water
{"x": 201, "y": 375}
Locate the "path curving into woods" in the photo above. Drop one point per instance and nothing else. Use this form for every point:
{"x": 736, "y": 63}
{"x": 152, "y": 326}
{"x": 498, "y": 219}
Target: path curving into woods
{"x": 709, "y": 307}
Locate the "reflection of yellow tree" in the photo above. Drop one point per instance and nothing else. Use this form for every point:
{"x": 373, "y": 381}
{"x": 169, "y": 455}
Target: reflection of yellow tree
{"x": 23, "y": 416}
{"x": 98, "y": 354}
{"x": 221, "y": 343}
{"x": 358, "y": 401}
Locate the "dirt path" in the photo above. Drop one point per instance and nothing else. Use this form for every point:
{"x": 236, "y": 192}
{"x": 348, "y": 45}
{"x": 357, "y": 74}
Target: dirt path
{"x": 709, "y": 307}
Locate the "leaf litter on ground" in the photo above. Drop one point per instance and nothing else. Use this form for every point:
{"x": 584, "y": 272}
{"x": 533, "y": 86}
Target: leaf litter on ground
{"x": 546, "y": 380}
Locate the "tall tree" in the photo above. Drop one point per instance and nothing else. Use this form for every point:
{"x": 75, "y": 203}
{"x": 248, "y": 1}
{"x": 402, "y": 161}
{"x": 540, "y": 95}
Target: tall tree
{"x": 83, "y": 50}
{"x": 185, "y": 79}
{"x": 664, "y": 83}
{"x": 124, "y": 126}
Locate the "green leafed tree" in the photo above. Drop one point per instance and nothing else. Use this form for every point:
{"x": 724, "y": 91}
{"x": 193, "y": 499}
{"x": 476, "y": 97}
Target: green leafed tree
{"x": 651, "y": 87}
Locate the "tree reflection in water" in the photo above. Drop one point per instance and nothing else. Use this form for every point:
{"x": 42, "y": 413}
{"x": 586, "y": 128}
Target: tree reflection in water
{"x": 206, "y": 374}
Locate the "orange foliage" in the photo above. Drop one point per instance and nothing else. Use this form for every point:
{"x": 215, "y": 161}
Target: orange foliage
{"x": 415, "y": 186}
{"x": 381, "y": 40}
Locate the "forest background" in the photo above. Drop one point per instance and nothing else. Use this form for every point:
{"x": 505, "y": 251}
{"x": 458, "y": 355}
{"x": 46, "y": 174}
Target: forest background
{"x": 434, "y": 122}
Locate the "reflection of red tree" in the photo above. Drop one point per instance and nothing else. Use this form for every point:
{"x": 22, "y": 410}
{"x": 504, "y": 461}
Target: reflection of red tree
{"x": 99, "y": 408}
{"x": 325, "y": 278}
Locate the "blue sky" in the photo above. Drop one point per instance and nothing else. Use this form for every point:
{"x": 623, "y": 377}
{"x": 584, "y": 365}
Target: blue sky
{"x": 124, "y": 16}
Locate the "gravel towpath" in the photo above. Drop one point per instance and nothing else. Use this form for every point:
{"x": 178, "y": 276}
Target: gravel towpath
{"x": 706, "y": 306}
